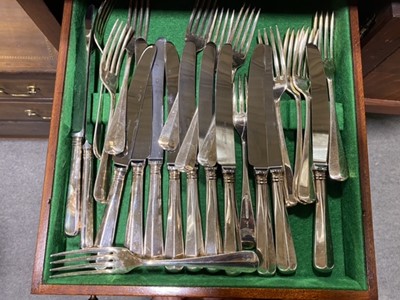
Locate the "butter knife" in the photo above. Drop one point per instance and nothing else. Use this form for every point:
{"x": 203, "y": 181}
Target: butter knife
{"x": 136, "y": 93}
{"x": 257, "y": 155}
{"x": 323, "y": 249}
{"x": 225, "y": 144}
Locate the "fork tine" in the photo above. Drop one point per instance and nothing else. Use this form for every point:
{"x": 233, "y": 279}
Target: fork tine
{"x": 208, "y": 21}
{"x": 194, "y": 14}
{"x": 274, "y": 53}
{"x": 85, "y": 258}
{"x": 321, "y": 35}
{"x": 240, "y": 23}
{"x": 93, "y": 250}
{"x": 331, "y": 36}
{"x": 280, "y": 52}
{"x": 91, "y": 265}
{"x": 326, "y": 35}
{"x": 113, "y": 38}
{"x": 251, "y": 33}
{"x": 119, "y": 49}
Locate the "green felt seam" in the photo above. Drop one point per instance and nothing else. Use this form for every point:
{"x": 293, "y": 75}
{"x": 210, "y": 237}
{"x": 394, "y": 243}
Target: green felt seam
{"x": 344, "y": 199}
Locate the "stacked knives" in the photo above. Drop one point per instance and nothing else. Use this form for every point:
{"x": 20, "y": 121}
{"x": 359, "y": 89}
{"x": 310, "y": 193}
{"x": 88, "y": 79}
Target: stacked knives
{"x": 200, "y": 141}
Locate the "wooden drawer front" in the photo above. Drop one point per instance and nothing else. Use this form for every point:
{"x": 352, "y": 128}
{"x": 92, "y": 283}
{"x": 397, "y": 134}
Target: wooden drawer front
{"x": 23, "y": 110}
{"x": 27, "y": 85}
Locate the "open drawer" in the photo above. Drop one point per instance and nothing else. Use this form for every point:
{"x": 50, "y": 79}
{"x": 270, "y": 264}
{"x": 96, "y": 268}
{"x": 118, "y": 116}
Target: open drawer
{"x": 353, "y": 276}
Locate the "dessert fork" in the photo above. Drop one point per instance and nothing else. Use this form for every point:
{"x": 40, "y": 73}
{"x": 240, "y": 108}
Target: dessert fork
{"x": 118, "y": 260}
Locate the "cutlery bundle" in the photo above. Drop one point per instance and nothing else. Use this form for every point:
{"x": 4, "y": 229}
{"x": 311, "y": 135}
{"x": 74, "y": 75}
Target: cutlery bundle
{"x": 196, "y": 113}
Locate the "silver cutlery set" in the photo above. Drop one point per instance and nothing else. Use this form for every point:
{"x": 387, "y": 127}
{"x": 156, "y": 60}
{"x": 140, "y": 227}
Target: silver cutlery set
{"x": 231, "y": 106}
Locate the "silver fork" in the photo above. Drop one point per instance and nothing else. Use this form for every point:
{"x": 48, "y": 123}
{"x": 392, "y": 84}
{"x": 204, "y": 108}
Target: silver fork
{"x": 280, "y": 86}
{"x": 118, "y": 260}
{"x": 247, "y": 221}
{"x": 198, "y": 31}
{"x": 338, "y": 168}
{"x": 304, "y": 183}
{"x": 110, "y": 66}
{"x": 115, "y": 139}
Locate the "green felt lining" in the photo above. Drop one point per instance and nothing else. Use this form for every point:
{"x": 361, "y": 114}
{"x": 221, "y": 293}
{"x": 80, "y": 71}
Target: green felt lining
{"x": 344, "y": 199}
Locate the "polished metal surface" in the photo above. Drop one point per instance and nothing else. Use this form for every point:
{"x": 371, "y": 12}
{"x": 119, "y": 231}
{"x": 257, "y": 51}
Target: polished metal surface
{"x": 106, "y": 232}
{"x": 258, "y": 158}
{"x": 117, "y": 260}
{"x": 78, "y": 134}
{"x": 154, "y": 235}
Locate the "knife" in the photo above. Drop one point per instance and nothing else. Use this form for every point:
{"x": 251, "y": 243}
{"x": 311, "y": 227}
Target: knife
{"x": 174, "y": 235}
{"x": 286, "y": 260}
{"x": 257, "y": 156}
{"x": 153, "y": 236}
{"x": 213, "y": 239}
{"x": 323, "y": 249}
{"x": 73, "y": 207}
{"x": 141, "y": 150}
{"x": 136, "y": 92}
{"x": 225, "y": 144}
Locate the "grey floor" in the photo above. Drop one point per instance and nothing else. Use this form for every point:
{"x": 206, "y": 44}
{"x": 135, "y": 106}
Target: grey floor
{"x": 21, "y": 177}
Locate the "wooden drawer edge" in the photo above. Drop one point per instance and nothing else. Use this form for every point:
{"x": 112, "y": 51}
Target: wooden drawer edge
{"x": 382, "y": 106}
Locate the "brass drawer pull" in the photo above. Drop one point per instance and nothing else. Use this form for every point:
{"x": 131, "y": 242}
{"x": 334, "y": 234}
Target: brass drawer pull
{"x": 31, "y": 90}
{"x": 32, "y": 113}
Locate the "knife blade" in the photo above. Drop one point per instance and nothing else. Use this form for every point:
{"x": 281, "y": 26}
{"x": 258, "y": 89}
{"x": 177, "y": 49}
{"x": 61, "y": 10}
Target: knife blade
{"x": 225, "y": 144}
{"x": 258, "y": 158}
{"x": 213, "y": 238}
{"x": 286, "y": 260}
{"x": 134, "y": 224}
{"x": 136, "y": 95}
{"x": 323, "y": 249}
{"x": 153, "y": 236}
{"x": 174, "y": 234}
{"x": 73, "y": 206}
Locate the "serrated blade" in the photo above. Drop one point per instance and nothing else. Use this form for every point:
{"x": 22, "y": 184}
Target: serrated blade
{"x": 320, "y": 105}
{"x": 256, "y": 112}
{"x": 136, "y": 97}
{"x": 223, "y": 109}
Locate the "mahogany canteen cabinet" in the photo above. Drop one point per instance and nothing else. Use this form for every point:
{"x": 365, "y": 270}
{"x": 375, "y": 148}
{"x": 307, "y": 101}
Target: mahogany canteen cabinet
{"x": 354, "y": 274}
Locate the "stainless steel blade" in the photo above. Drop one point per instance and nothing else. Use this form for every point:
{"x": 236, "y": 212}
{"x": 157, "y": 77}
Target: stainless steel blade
{"x": 158, "y": 99}
{"x": 320, "y": 105}
{"x": 171, "y": 80}
{"x": 224, "y": 108}
{"x": 187, "y": 88}
{"x": 206, "y": 90}
{"x": 136, "y": 95}
{"x": 80, "y": 102}
{"x": 256, "y": 112}
{"x": 274, "y": 156}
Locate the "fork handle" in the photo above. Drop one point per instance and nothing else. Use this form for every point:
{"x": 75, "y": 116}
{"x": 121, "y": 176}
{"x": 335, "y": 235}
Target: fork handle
{"x": 71, "y": 224}
{"x": 236, "y": 262}
{"x": 323, "y": 249}
{"x": 264, "y": 234}
{"x": 106, "y": 233}
{"x": 87, "y": 198}
{"x": 285, "y": 253}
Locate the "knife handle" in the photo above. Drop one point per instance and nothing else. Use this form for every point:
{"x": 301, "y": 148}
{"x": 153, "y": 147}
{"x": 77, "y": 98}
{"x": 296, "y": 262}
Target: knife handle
{"x": 264, "y": 232}
{"x": 285, "y": 253}
{"x": 305, "y": 181}
{"x": 323, "y": 248}
{"x": 134, "y": 224}
{"x": 153, "y": 236}
{"x": 72, "y": 222}
{"x": 174, "y": 234}
{"x": 213, "y": 239}
{"x": 231, "y": 233}
{"x": 87, "y": 198}
{"x": 194, "y": 243}
{"x": 101, "y": 182}
{"x": 105, "y": 235}
{"x": 338, "y": 169}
